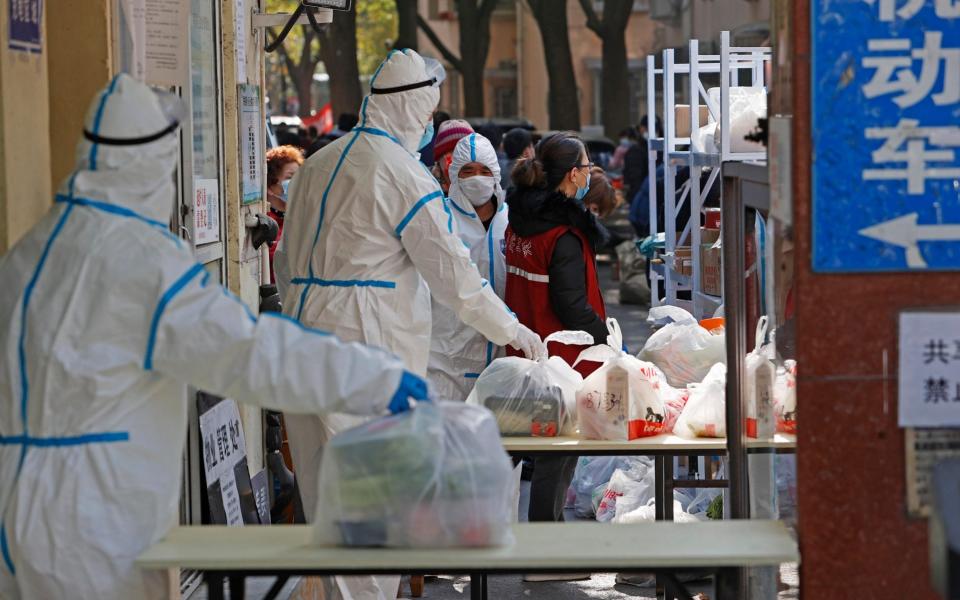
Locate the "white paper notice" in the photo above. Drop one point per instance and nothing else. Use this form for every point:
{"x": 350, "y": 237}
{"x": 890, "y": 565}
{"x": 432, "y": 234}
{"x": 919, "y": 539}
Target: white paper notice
{"x": 206, "y": 211}
{"x": 167, "y": 28}
{"x": 231, "y": 499}
{"x": 241, "y": 40}
{"x": 135, "y": 18}
{"x": 929, "y": 369}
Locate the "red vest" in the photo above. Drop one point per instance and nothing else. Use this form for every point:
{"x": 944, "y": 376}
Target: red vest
{"x": 528, "y": 282}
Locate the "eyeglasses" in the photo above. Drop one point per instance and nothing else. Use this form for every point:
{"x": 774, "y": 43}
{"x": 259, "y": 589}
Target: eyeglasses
{"x": 586, "y": 166}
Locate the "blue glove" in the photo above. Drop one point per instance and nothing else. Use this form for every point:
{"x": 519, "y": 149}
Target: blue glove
{"x": 411, "y": 386}
{"x": 625, "y": 349}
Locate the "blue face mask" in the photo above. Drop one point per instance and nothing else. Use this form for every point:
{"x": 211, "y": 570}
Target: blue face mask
{"x": 286, "y": 186}
{"x": 582, "y": 191}
{"x": 427, "y": 136}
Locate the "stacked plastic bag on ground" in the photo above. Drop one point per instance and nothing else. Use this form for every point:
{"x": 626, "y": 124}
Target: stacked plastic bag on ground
{"x": 536, "y": 398}
{"x": 436, "y": 476}
{"x": 683, "y": 349}
{"x": 620, "y": 400}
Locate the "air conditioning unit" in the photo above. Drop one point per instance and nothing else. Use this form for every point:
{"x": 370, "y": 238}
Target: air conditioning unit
{"x": 665, "y": 10}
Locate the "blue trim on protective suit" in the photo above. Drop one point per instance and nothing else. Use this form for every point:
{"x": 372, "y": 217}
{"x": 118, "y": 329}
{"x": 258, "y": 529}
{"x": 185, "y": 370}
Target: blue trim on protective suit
{"x": 461, "y": 211}
{"x": 323, "y": 211}
{"x": 92, "y": 158}
{"x": 343, "y": 282}
{"x": 471, "y": 375}
{"x": 5, "y": 550}
{"x": 119, "y": 211}
{"x": 416, "y": 207}
{"x": 21, "y": 343}
{"x": 493, "y": 281}
{"x": 165, "y": 299}
{"x": 473, "y": 147}
{"x": 107, "y": 437}
{"x": 379, "y": 132}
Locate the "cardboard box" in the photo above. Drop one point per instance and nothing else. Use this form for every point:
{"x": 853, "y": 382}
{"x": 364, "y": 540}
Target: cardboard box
{"x": 683, "y": 260}
{"x": 711, "y": 274}
{"x": 682, "y": 116}
{"x": 709, "y": 236}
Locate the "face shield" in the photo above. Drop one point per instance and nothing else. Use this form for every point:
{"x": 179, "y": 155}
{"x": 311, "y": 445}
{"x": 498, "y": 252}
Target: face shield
{"x": 174, "y": 111}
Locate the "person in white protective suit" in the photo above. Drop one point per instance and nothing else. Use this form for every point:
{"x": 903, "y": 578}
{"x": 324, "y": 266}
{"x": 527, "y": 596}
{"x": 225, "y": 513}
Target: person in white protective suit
{"x": 366, "y": 233}
{"x": 458, "y": 353}
{"x": 107, "y": 318}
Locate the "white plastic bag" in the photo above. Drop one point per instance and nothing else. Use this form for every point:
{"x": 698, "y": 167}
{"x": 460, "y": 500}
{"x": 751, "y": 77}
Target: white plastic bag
{"x": 705, "y": 414}
{"x": 674, "y": 401}
{"x": 648, "y": 514}
{"x": 627, "y": 490}
{"x": 590, "y": 474}
{"x": 620, "y": 400}
{"x": 433, "y": 477}
{"x": 785, "y": 397}
{"x": 759, "y": 374}
{"x": 683, "y": 350}
{"x": 529, "y": 397}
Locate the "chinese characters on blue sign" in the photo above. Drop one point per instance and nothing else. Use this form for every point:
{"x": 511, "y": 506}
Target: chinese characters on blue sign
{"x": 24, "y": 18}
{"x": 929, "y": 379}
{"x": 886, "y": 134}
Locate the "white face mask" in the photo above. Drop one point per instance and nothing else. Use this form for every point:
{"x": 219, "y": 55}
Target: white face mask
{"x": 478, "y": 189}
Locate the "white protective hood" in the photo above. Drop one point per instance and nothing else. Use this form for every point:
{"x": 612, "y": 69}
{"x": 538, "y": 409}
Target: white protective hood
{"x": 458, "y": 353}
{"x": 107, "y": 319}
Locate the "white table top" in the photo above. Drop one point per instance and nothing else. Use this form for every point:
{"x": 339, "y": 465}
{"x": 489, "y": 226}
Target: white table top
{"x": 539, "y": 546}
{"x": 661, "y": 444}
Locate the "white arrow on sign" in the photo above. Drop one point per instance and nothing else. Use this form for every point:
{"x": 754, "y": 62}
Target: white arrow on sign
{"x": 905, "y": 232}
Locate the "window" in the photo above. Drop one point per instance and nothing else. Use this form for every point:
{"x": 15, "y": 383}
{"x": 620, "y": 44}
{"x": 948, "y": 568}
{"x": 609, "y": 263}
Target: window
{"x": 505, "y": 101}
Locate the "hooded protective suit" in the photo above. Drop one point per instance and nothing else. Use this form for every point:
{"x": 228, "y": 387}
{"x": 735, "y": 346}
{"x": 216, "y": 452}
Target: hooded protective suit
{"x": 458, "y": 353}
{"x": 107, "y": 318}
{"x": 366, "y": 233}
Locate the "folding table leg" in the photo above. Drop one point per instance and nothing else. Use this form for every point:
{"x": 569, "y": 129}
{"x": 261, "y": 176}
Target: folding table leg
{"x": 214, "y": 585}
{"x": 477, "y": 591}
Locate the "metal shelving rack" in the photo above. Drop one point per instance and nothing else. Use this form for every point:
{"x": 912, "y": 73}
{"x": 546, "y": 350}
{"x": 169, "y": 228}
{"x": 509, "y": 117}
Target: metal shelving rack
{"x": 733, "y": 64}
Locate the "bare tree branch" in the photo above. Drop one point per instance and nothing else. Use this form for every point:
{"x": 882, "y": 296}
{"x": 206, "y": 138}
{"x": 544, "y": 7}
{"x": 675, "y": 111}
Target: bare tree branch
{"x": 593, "y": 21}
{"x": 449, "y": 56}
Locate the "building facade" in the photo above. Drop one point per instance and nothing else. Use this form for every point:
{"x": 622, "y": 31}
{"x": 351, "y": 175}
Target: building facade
{"x": 516, "y": 81}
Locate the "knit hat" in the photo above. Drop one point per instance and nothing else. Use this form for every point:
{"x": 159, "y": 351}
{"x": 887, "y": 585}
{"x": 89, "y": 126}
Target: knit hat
{"x": 448, "y": 135}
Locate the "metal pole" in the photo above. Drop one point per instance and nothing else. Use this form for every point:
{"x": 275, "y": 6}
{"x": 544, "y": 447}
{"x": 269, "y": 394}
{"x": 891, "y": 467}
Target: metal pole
{"x": 735, "y": 312}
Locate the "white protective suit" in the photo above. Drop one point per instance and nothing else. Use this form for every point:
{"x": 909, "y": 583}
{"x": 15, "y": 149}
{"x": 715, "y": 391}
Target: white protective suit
{"x": 107, "y": 318}
{"x": 458, "y": 353}
{"x": 366, "y": 231}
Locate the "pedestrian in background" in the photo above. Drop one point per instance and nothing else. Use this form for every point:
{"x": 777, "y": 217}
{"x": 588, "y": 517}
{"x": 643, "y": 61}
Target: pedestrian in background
{"x": 552, "y": 282}
{"x": 517, "y": 144}
{"x": 450, "y": 132}
{"x": 282, "y": 165}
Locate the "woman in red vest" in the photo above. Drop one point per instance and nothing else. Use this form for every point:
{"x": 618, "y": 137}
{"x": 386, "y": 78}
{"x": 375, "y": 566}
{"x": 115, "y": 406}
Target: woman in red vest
{"x": 552, "y": 280}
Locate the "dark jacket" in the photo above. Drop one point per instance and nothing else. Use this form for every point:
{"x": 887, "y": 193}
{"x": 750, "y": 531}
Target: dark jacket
{"x": 535, "y": 211}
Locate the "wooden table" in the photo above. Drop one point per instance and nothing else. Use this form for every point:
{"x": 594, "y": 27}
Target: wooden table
{"x": 720, "y": 546}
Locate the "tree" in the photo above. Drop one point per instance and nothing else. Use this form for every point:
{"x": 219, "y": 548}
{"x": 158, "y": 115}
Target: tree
{"x": 338, "y": 49}
{"x": 564, "y": 103}
{"x": 614, "y": 70}
{"x": 474, "y": 25}
{"x": 335, "y": 46}
{"x": 406, "y": 25}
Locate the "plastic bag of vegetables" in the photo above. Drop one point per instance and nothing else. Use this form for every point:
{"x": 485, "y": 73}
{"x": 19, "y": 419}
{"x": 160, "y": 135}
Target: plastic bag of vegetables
{"x": 433, "y": 477}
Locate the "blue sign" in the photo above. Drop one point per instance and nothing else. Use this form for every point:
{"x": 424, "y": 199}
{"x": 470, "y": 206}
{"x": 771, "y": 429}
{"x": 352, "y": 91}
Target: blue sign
{"x": 25, "y": 18}
{"x": 886, "y": 135}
